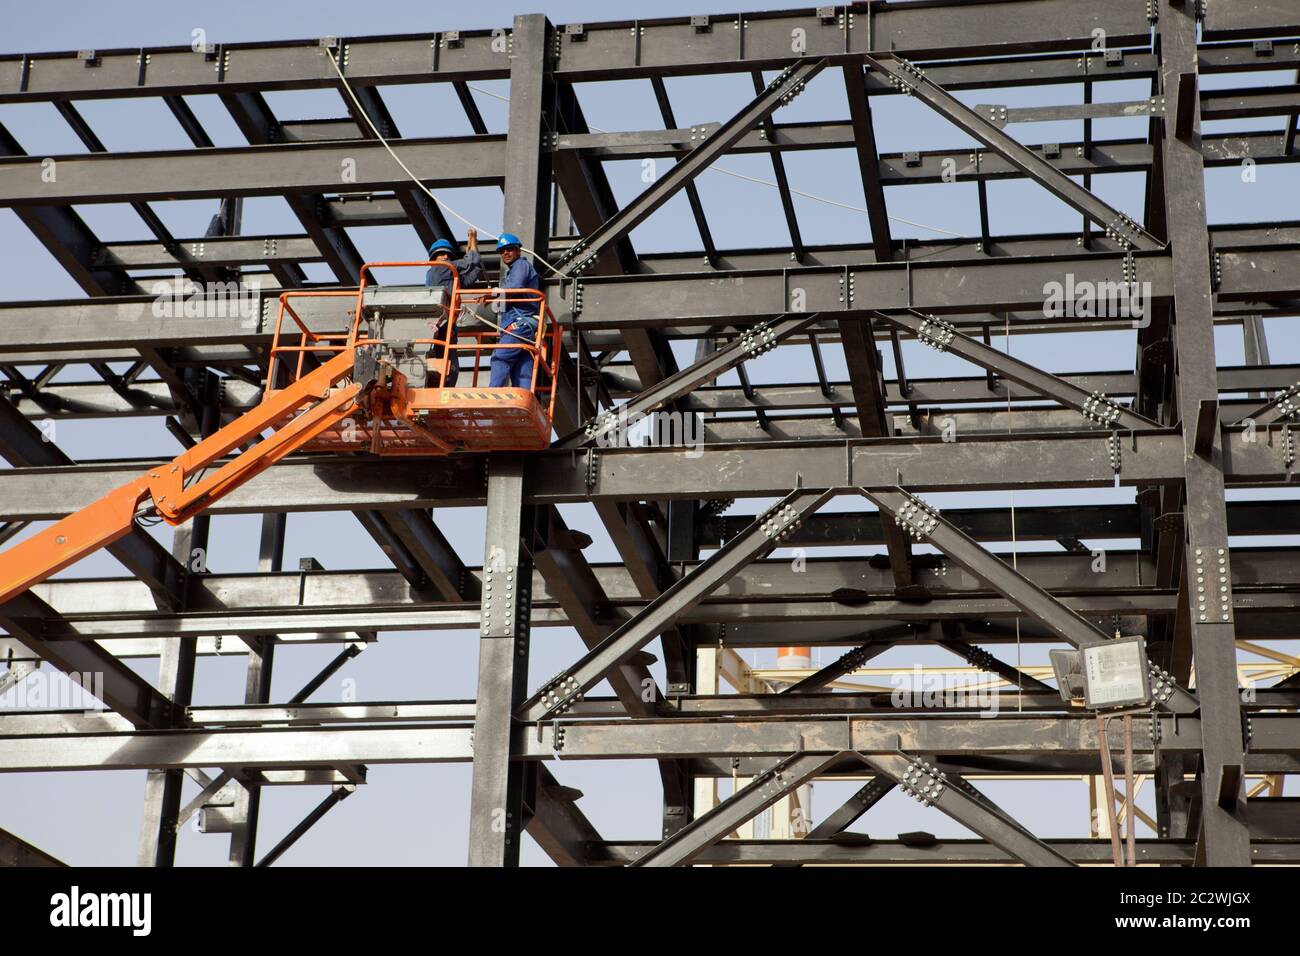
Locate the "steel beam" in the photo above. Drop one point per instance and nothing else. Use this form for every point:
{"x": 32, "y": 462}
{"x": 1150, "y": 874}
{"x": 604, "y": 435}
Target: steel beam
{"x": 605, "y": 51}
{"x": 1095, "y": 407}
{"x": 756, "y": 796}
{"x": 748, "y": 344}
{"x": 125, "y": 691}
{"x": 962, "y": 802}
{"x": 923, "y": 523}
{"x": 700, "y": 301}
{"x": 67, "y": 237}
{"x": 15, "y": 851}
{"x": 555, "y": 822}
{"x": 1209, "y": 624}
{"x": 268, "y": 170}
{"x": 558, "y": 693}
{"x": 424, "y": 215}
{"x": 573, "y": 583}
{"x": 333, "y": 799}
{"x": 912, "y": 80}
{"x": 247, "y": 810}
{"x": 947, "y": 852}
{"x": 497, "y": 794}
{"x": 781, "y": 90}
{"x": 258, "y": 124}
{"x": 866, "y": 381}
{"x": 622, "y": 474}
{"x": 24, "y": 445}
{"x": 864, "y": 137}
{"x": 1038, "y": 737}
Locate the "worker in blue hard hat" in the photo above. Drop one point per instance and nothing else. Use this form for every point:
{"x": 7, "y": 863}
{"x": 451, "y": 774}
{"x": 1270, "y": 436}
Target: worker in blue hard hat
{"x": 514, "y": 366}
{"x": 442, "y": 274}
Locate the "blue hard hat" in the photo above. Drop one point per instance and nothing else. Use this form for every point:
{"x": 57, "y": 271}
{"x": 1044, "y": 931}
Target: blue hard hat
{"x": 440, "y": 244}
{"x": 507, "y": 239}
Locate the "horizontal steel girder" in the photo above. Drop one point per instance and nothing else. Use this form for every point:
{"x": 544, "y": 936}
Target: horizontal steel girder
{"x": 599, "y": 51}
{"x": 1276, "y": 738}
{"x": 249, "y": 171}
{"x": 624, "y": 474}
{"x": 701, "y": 300}
{"x": 949, "y": 852}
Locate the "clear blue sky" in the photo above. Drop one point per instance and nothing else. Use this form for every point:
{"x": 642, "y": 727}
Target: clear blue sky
{"x": 417, "y": 814}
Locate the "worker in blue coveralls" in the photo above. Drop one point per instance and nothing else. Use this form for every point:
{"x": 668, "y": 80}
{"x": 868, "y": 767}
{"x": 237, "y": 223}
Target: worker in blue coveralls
{"x": 442, "y": 274}
{"x": 514, "y": 366}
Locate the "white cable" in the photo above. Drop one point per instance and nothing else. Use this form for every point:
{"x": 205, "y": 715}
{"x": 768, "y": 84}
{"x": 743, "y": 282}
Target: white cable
{"x": 767, "y": 182}
{"x": 830, "y": 202}
{"x": 415, "y": 179}
{"x": 347, "y": 87}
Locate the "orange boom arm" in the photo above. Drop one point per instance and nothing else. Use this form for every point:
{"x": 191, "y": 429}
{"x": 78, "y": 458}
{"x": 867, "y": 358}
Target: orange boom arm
{"x": 372, "y": 378}
{"x": 179, "y": 490}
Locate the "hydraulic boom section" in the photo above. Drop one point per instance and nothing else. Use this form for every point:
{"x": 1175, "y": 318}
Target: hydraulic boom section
{"x": 182, "y": 488}
{"x": 373, "y": 388}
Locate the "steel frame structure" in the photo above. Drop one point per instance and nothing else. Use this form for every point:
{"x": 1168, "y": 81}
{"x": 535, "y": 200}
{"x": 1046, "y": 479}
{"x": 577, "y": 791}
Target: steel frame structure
{"x": 1178, "y": 426}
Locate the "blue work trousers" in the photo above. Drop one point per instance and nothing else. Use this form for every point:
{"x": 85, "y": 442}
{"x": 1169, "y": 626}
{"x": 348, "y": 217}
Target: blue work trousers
{"x": 514, "y": 366}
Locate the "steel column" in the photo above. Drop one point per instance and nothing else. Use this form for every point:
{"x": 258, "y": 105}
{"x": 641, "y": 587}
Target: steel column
{"x": 1225, "y": 834}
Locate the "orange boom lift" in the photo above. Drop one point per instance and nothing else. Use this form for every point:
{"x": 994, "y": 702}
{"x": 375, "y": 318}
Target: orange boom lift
{"x": 359, "y": 390}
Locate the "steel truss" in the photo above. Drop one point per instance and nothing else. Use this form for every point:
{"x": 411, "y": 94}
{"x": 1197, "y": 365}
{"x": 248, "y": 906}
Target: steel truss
{"x": 1174, "y": 424}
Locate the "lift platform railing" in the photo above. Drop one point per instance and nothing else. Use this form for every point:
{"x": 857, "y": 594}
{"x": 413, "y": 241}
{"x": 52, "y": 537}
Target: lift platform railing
{"x": 471, "y": 304}
{"x": 318, "y": 398}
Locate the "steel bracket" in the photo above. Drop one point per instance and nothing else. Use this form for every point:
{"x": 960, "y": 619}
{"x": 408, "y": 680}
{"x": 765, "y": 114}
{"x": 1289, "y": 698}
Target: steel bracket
{"x": 922, "y": 781}
{"x": 936, "y": 333}
{"x": 1213, "y": 585}
{"x": 780, "y": 522}
{"x": 758, "y": 339}
{"x": 1163, "y": 685}
{"x": 1114, "y": 453}
{"x": 1101, "y": 411}
{"x": 1122, "y": 229}
{"x": 716, "y": 506}
{"x": 1289, "y": 405}
{"x": 598, "y": 425}
{"x": 560, "y": 693}
{"x": 917, "y": 518}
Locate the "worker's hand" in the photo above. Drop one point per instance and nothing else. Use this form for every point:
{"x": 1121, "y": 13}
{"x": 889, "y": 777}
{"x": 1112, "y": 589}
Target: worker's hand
{"x": 471, "y": 239}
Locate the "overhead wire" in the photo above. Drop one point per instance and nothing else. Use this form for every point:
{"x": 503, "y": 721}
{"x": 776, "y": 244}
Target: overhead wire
{"x": 361, "y": 110}
{"x": 767, "y": 182}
